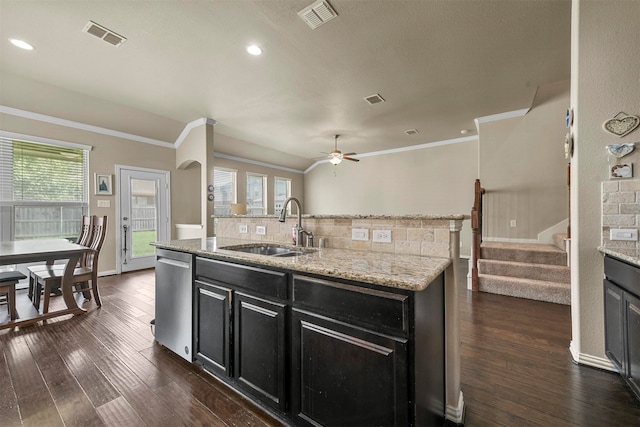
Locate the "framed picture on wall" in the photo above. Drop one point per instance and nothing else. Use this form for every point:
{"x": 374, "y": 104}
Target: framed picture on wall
{"x": 102, "y": 184}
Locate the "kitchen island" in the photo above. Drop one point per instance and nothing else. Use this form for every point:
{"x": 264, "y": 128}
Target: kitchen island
{"x": 327, "y": 336}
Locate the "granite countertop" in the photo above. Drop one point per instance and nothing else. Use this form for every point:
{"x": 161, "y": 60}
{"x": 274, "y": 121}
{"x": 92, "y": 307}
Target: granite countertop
{"x": 632, "y": 256}
{"x": 410, "y": 272}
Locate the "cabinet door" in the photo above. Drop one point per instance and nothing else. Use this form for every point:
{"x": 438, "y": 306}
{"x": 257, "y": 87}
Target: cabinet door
{"x": 260, "y": 345}
{"x": 633, "y": 341}
{"x": 613, "y": 323}
{"x": 347, "y": 376}
{"x": 212, "y": 327}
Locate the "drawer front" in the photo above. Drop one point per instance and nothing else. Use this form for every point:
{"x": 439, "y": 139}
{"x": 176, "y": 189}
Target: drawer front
{"x": 622, "y": 274}
{"x": 377, "y": 310}
{"x": 263, "y": 282}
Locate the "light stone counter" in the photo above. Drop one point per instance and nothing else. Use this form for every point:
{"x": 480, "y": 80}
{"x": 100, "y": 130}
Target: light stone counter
{"x": 409, "y": 272}
{"x": 631, "y": 255}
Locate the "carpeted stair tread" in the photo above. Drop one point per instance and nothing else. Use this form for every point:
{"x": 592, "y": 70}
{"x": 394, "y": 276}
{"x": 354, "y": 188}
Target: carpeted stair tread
{"x": 544, "y": 272}
{"x": 534, "y": 253}
{"x": 559, "y": 240}
{"x": 559, "y": 293}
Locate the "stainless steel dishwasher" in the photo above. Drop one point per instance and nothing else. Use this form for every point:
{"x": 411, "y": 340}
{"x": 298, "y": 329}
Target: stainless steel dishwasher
{"x": 174, "y": 294}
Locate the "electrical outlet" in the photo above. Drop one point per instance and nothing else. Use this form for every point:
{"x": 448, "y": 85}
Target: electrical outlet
{"x": 243, "y": 229}
{"x": 261, "y": 230}
{"x": 623, "y": 234}
{"x": 382, "y": 236}
{"x": 512, "y": 223}
{"x": 360, "y": 234}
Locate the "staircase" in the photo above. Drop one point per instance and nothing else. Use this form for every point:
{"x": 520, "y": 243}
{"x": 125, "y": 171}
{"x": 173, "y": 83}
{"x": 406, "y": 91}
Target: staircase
{"x": 526, "y": 270}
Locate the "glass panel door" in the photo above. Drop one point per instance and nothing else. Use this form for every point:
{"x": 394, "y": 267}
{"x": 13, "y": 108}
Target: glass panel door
{"x": 143, "y": 216}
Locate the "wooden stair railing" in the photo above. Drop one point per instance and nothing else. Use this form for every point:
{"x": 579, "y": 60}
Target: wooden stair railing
{"x": 476, "y": 233}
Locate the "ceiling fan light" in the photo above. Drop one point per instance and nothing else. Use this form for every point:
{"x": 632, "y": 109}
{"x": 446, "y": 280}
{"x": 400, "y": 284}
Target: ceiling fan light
{"x": 335, "y": 160}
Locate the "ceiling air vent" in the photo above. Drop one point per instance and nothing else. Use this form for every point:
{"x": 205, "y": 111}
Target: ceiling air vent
{"x": 374, "y": 99}
{"x": 317, "y": 14}
{"x": 104, "y": 34}
{"x": 411, "y": 131}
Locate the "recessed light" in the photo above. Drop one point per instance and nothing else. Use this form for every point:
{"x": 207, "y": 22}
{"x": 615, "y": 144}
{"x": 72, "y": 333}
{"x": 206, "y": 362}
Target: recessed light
{"x": 21, "y": 44}
{"x": 254, "y": 50}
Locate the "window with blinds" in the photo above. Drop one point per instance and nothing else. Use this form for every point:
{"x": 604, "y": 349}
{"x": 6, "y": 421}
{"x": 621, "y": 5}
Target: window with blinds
{"x": 281, "y": 191}
{"x": 256, "y": 194}
{"x": 43, "y": 189}
{"x": 224, "y": 190}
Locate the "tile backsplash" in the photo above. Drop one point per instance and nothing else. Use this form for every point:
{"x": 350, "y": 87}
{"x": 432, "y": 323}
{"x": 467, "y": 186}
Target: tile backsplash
{"x": 413, "y": 235}
{"x": 620, "y": 209}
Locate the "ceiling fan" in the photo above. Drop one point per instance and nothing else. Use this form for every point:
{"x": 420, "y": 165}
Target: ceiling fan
{"x": 336, "y": 156}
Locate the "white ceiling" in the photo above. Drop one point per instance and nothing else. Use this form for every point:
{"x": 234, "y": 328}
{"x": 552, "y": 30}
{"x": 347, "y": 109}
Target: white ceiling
{"x": 438, "y": 63}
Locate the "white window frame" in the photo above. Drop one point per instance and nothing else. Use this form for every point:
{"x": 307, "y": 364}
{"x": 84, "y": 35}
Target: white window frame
{"x": 263, "y": 207}
{"x": 276, "y": 208}
{"x": 234, "y": 188}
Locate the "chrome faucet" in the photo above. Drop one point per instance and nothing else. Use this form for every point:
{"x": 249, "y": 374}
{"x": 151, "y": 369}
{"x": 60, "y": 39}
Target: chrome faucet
{"x": 300, "y": 231}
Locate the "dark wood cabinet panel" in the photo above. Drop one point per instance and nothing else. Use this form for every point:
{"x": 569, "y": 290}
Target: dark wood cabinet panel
{"x": 622, "y": 319}
{"x": 614, "y": 325}
{"x": 260, "y": 349}
{"x": 347, "y": 376}
{"x": 212, "y": 328}
{"x": 632, "y": 304}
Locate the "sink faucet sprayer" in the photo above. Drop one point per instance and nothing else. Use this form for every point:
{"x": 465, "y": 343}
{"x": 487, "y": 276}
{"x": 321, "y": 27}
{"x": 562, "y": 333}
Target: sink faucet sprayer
{"x": 300, "y": 231}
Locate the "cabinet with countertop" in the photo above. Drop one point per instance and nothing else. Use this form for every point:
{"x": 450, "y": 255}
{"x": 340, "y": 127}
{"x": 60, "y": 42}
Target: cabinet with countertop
{"x": 622, "y": 319}
{"x": 318, "y": 344}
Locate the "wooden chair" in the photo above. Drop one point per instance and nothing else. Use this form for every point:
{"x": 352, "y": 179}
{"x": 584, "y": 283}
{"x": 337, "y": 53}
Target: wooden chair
{"x": 50, "y": 279}
{"x": 83, "y": 239}
{"x": 8, "y": 282}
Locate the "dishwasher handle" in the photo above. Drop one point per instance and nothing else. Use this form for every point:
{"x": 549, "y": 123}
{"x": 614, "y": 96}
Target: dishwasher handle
{"x": 174, "y": 262}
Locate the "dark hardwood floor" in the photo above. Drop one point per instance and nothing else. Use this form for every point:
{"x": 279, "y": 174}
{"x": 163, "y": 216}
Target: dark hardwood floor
{"x": 103, "y": 368}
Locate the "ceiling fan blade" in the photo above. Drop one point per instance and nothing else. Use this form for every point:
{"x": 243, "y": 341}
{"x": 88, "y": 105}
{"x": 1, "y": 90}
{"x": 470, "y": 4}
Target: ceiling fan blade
{"x": 350, "y": 154}
{"x": 350, "y": 158}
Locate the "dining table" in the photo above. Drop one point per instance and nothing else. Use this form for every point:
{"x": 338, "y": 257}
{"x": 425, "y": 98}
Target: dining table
{"x": 48, "y": 251}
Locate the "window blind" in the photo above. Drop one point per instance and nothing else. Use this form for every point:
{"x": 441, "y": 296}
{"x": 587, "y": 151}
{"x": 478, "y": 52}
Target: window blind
{"x": 35, "y": 172}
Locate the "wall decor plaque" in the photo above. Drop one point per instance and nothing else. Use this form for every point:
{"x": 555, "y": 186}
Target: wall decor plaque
{"x": 621, "y": 124}
{"x": 620, "y": 150}
{"x": 622, "y": 171}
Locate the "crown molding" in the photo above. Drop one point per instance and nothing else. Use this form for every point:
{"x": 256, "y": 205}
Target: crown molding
{"x": 501, "y": 116}
{"x": 190, "y": 126}
{"x": 82, "y": 126}
{"x": 403, "y": 149}
{"x": 255, "y": 162}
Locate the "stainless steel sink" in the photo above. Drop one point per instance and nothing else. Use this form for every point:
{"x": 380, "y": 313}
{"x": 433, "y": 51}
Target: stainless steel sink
{"x": 268, "y": 250}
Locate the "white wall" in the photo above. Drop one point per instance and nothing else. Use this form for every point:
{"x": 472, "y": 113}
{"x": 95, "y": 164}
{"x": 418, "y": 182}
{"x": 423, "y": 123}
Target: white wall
{"x": 437, "y": 180}
{"x": 604, "y": 82}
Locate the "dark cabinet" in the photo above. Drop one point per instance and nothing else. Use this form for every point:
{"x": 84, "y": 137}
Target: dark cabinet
{"x": 240, "y": 324}
{"x": 322, "y": 352}
{"x": 212, "y": 313}
{"x": 622, "y": 319}
{"x": 260, "y": 348}
{"x": 363, "y": 356}
{"x": 347, "y": 376}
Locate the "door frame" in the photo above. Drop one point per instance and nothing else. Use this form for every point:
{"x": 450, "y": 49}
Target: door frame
{"x": 118, "y": 225}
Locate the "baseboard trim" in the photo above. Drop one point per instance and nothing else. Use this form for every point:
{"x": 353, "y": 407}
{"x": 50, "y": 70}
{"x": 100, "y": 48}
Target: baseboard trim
{"x": 590, "y": 360}
{"x": 456, "y": 414}
{"x": 107, "y": 273}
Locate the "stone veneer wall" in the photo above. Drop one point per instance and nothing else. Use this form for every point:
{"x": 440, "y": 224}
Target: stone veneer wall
{"x": 620, "y": 209}
{"x": 409, "y": 235}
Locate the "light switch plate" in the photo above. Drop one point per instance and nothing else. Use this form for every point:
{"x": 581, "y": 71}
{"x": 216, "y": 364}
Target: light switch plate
{"x": 261, "y": 230}
{"x": 243, "y": 229}
{"x": 360, "y": 234}
{"x": 623, "y": 234}
{"x": 104, "y": 203}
